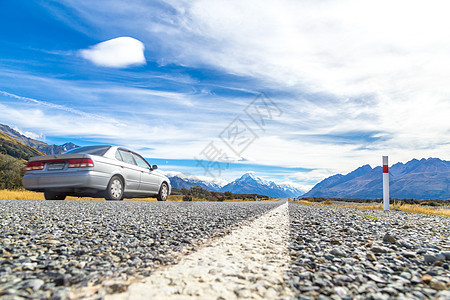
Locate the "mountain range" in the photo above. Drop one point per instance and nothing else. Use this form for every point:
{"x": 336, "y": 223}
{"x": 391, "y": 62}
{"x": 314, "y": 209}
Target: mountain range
{"x": 41, "y": 146}
{"x": 248, "y": 183}
{"x": 417, "y": 179}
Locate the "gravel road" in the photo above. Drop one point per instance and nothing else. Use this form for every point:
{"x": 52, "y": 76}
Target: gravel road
{"x": 61, "y": 249}
{"x": 50, "y": 248}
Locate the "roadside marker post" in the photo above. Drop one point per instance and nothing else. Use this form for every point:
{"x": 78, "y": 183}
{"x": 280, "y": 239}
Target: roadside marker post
{"x": 385, "y": 183}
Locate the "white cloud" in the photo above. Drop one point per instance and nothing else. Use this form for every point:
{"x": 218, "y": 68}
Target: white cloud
{"x": 121, "y": 52}
{"x": 30, "y": 134}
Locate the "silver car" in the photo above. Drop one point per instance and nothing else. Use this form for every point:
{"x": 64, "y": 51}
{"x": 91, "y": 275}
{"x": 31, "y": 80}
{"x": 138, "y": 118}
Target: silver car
{"x": 108, "y": 171}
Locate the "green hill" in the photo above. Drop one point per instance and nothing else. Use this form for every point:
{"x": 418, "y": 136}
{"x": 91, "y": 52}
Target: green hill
{"x": 13, "y": 157}
{"x": 11, "y": 147}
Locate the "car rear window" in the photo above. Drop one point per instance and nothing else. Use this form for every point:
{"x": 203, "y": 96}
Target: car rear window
{"x": 93, "y": 150}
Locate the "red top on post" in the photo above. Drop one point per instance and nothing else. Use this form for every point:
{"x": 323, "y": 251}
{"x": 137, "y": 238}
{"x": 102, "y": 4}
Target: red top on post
{"x": 385, "y": 164}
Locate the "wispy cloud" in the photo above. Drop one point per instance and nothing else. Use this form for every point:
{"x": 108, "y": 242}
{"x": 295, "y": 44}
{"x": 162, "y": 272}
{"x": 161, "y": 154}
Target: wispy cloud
{"x": 60, "y": 107}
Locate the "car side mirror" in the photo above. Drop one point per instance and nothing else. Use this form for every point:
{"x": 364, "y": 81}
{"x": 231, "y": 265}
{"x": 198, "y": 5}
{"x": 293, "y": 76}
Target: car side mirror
{"x": 154, "y": 167}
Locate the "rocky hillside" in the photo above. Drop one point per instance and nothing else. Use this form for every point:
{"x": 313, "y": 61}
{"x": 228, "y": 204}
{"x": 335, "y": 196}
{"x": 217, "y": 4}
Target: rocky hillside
{"x": 16, "y": 149}
{"x": 41, "y": 146}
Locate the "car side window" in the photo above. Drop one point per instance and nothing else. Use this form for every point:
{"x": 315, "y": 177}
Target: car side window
{"x": 141, "y": 162}
{"x": 127, "y": 157}
{"x": 118, "y": 156}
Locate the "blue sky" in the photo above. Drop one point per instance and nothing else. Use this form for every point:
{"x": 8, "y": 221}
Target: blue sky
{"x": 342, "y": 82}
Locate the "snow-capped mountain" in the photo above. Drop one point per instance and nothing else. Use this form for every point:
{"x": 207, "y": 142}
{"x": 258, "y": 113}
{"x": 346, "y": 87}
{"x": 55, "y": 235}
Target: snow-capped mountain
{"x": 250, "y": 184}
{"x": 179, "y": 180}
{"x": 418, "y": 179}
{"x": 246, "y": 184}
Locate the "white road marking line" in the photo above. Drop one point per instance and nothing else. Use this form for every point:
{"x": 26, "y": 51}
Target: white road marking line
{"x": 249, "y": 263}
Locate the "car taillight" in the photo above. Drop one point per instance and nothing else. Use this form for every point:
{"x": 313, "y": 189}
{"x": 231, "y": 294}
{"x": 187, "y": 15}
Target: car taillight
{"x": 80, "y": 163}
{"x": 35, "y": 165}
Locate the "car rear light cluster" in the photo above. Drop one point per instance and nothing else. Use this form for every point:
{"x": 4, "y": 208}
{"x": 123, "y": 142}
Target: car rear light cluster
{"x": 80, "y": 163}
{"x": 73, "y": 163}
{"x": 35, "y": 165}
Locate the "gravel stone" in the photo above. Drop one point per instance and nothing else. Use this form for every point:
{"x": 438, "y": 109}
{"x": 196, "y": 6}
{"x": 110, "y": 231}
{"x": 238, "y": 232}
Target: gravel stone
{"x": 389, "y": 238}
{"x": 446, "y": 254}
{"x": 438, "y": 285}
{"x": 338, "y": 252}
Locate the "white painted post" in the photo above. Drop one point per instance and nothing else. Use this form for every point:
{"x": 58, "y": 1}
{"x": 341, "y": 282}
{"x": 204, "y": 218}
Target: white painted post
{"x": 385, "y": 183}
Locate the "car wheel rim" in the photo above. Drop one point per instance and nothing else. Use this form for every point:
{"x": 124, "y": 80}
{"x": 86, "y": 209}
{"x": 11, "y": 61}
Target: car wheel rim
{"x": 116, "y": 188}
{"x": 164, "y": 192}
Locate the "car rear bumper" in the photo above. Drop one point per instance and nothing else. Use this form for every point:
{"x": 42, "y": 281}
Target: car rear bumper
{"x": 87, "y": 179}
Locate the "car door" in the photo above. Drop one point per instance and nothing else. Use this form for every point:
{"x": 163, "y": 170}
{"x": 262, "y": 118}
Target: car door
{"x": 131, "y": 171}
{"x": 150, "y": 182}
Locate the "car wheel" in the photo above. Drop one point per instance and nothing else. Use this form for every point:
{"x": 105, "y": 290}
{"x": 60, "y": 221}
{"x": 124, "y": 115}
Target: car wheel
{"x": 114, "y": 191}
{"x": 163, "y": 192}
{"x": 54, "y": 196}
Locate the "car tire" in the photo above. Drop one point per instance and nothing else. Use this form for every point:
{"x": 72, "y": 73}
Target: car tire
{"x": 114, "y": 191}
{"x": 54, "y": 196}
{"x": 163, "y": 192}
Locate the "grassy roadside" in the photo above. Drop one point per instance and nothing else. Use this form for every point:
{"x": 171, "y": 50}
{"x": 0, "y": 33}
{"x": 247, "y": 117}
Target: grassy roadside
{"x": 28, "y": 195}
{"x": 409, "y": 208}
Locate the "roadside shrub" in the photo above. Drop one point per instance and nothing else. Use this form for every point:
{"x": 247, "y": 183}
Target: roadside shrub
{"x": 11, "y": 172}
{"x": 328, "y": 202}
{"x": 187, "y": 198}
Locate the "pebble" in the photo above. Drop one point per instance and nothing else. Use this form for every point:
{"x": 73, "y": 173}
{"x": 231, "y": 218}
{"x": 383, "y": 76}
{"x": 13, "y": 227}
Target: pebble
{"x": 438, "y": 285}
{"x": 408, "y": 254}
{"x": 389, "y": 238}
{"x": 446, "y": 254}
{"x": 431, "y": 258}
{"x": 338, "y": 252}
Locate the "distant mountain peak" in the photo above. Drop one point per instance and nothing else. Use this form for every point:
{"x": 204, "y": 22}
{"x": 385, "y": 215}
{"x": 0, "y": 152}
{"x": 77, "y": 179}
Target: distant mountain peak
{"x": 248, "y": 174}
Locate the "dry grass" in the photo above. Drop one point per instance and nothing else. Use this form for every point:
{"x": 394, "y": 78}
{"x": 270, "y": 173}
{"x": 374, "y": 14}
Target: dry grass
{"x": 28, "y": 195}
{"x": 180, "y": 198}
{"x": 304, "y": 202}
{"x": 409, "y": 208}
